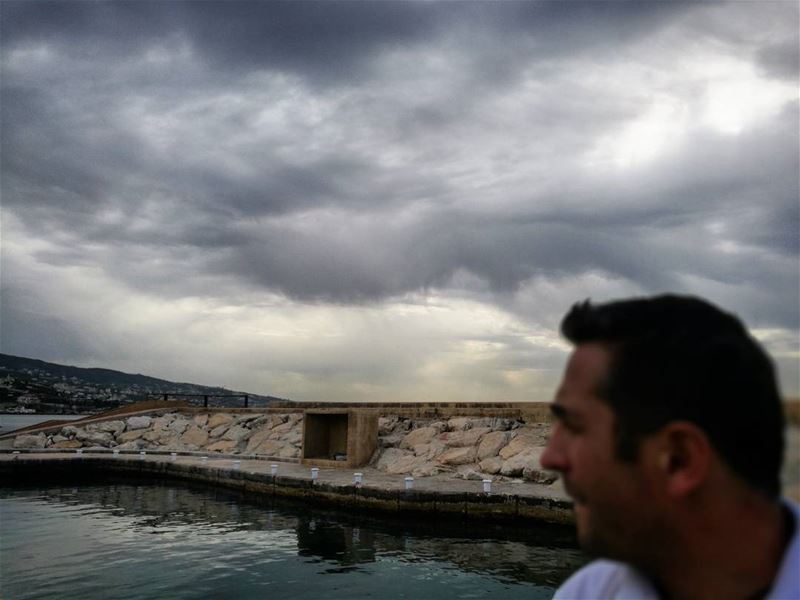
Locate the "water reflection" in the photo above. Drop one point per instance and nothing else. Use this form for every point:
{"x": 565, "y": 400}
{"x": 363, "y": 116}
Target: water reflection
{"x": 335, "y": 542}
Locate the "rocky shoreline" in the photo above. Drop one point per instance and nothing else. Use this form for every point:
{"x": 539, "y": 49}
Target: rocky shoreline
{"x": 470, "y": 448}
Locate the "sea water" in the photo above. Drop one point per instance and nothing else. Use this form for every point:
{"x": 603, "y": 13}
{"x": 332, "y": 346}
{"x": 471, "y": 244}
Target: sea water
{"x": 10, "y": 422}
{"x": 133, "y": 540}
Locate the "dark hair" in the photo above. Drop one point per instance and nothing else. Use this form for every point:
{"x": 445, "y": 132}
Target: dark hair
{"x": 682, "y": 358}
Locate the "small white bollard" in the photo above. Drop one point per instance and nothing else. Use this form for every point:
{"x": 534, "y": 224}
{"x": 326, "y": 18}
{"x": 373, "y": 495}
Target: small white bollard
{"x": 237, "y": 464}
{"x": 79, "y": 451}
{"x": 314, "y": 473}
{"x": 142, "y": 454}
{"x": 273, "y": 470}
{"x": 358, "y": 478}
{"x": 409, "y": 483}
{"x": 115, "y": 452}
{"x": 173, "y": 455}
{"x": 487, "y": 486}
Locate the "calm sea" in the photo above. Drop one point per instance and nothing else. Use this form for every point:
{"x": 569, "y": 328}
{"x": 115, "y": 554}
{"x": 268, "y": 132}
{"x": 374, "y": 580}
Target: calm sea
{"x": 11, "y": 422}
{"x": 127, "y": 540}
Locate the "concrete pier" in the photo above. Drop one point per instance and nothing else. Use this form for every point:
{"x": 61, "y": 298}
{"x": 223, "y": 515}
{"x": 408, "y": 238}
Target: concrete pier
{"x": 431, "y": 497}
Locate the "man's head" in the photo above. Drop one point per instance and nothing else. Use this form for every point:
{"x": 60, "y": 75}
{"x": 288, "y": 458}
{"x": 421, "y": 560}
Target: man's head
{"x": 672, "y": 369}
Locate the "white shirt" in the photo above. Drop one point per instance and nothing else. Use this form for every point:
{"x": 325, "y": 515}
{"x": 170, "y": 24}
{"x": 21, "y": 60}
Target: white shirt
{"x": 611, "y": 580}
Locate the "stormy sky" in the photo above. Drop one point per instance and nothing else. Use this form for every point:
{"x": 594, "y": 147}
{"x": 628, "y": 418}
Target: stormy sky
{"x": 386, "y": 201}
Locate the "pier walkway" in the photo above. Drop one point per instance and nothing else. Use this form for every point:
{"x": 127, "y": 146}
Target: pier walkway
{"x": 439, "y": 496}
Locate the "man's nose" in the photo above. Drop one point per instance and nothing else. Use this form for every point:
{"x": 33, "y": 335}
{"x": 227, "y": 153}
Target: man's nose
{"x": 553, "y": 458}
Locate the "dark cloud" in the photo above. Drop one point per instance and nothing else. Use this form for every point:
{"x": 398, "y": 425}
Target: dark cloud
{"x": 781, "y": 59}
{"x": 28, "y": 330}
{"x": 349, "y": 153}
{"x": 89, "y": 28}
{"x": 328, "y": 41}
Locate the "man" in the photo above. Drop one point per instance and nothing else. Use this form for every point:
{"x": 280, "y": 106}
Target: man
{"x": 669, "y": 439}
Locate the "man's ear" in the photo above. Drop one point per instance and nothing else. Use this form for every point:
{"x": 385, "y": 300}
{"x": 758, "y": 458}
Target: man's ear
{"x": 684, "y": 456}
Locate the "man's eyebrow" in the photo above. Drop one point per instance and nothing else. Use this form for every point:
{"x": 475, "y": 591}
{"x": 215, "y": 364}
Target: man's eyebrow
{"x": 558, "y": 411}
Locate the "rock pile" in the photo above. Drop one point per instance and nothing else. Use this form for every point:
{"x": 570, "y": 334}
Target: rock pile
{"x": 464, "y": 447}
{"x": 467, "y": 447}
{"x": 276, "y": 435}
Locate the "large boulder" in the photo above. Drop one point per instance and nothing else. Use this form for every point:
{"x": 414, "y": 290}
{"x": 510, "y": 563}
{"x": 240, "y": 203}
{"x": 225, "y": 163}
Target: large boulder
{"x": 67, "y": 444}
{"x": 195, "y": 436}
{"x": 430, "y": 450}
{"x": 534, "y": 475}
{"x": 132, "y": 445}
{"x": 391, "y": 441}
{"x": 219, "y": 419}
{"x": 540, "y": 432}
{"x": 258, "y": 421}
{"x": 423, "y": 435}
{"x": 243, "y": 419}
{"x": 226, "y": 446}
{"x": 523, "y": 442}
{"x": 69, "y": 431}
{"x": 112, "y": 427}
{"x": 439, "y": 426}
{"x": 502, "y": 424}
{"x": 129, "y": 436}
{"x": 404, "y": 464}
{"x": 30, "y": 441}
{"x": 266, "y": 448}
{"x": 491, "y": 444}
{"x": 219, "y": 430}
{"x": 458, "y": 456}
{"x": 491, "y": 465}
{"x": 467, "y": 437}
{"x": 386, "y": 425}
{"x": 169, "y": 440}
{"x": 277, "y": 419}
{"x": 278, "y": 430}
{"x": 459, "y": 423}
{"x": 294, "y": 437}
{"x": 237, "y": 433}
{"x": 386, "y": 456}
{"x": 140, "y": 422}
{"x": 533, "y": 471}
{"x": 200, "y": 420}
{"x": 99, "y": 438}
{"x": 163, "y": 421}
{"x": 514, "y": 466}
{"x": 81, "y": 434}
{"x": 255, "y": 440}
{"x": 179, "y": 425}
{"x": 153, "y": 435}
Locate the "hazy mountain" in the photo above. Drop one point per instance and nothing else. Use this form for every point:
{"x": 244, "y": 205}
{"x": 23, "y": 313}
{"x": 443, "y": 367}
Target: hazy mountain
{"x": 48, "y": 387}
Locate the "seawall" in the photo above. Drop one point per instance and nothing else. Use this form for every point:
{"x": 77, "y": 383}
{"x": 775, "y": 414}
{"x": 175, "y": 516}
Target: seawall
{"x": 431, "y": 498}
{"x": 422, "y": 441}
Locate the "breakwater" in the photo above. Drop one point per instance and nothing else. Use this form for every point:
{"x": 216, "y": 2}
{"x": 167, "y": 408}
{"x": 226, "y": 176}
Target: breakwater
{"x": 431, "y": 497}
{"x": 476, "y": 447}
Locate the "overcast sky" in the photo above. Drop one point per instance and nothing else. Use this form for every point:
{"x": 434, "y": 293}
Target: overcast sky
{"x": 388, "y": 201}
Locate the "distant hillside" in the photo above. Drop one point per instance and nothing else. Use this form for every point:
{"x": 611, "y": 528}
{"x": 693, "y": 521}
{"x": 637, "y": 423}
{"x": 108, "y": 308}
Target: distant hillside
{"x": 98, "y": 376}
{"x": 32, "y": 384}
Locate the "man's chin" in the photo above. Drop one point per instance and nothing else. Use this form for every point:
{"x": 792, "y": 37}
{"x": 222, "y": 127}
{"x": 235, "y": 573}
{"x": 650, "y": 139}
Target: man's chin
{"x": 596, "y": 544}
